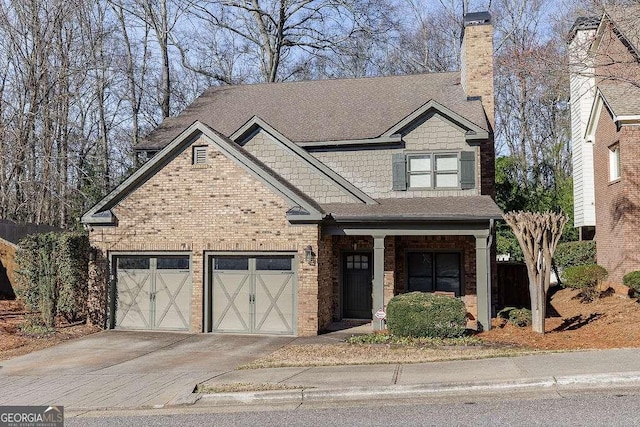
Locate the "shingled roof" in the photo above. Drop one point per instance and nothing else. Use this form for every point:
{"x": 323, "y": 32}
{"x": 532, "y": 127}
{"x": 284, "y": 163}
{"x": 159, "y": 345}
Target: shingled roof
{"x": 424, "y": 208}
{"x": 321, "y": 110}
{"x": 622, "y": 98}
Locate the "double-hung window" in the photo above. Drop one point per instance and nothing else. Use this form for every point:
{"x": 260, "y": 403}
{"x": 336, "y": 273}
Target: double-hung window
{"x": 614, "y": 162}
{"x": 433, "y": 170}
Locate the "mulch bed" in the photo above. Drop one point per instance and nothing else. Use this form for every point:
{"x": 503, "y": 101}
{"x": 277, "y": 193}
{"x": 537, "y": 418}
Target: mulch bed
{"x": 14, "y": 343}
{"x": 608, "y": 322}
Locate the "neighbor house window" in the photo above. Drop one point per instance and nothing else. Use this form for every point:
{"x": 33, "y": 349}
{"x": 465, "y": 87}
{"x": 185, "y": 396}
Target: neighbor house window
{"x": 434, "y": 271}
{"x": 200, "y": 155}
{"x": 433, "y": 170}
{"x": 614, "y": 162}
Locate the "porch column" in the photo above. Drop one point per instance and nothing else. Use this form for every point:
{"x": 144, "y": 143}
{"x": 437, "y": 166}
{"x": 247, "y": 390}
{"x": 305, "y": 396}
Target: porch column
{"x": 483, "y": 283}
{"x": 378, "y": 279}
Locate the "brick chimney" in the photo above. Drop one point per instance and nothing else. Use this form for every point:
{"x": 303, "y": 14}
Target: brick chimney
{"x": 476, "y": 69}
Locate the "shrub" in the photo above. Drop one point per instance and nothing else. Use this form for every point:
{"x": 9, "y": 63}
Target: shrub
{"x": 516, "y": 316}
{"x": 418, "y": 314}
{"x": 570, "y": 254}
{"x": 586, "y": 278}
{"x": 632, "y": 280}
{"x": 52, "y": 273}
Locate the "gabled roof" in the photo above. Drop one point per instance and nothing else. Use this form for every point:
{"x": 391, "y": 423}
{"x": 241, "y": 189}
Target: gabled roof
{"x": 453, "y": 208}
{"x": 621, "y": 99}
{"x": 303, "y": 208}
{"x": 626, "y": 21}
{"x": 256, "y": 123}
{"x": 322, "y": 110}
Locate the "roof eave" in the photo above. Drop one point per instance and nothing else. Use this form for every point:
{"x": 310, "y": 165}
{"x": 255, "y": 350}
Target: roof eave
{"x": 196, "y": 130}
{"x": 381, "y": 140}
{"x": 477, "y": 132}
{"x": 413, "y": 218}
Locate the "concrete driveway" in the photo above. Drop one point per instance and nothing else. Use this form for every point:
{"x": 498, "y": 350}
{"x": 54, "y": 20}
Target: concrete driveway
{"x": 118, "y": 369}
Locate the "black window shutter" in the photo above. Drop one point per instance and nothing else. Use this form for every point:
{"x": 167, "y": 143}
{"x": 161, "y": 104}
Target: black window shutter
{"x": 467, "y": 170}
{"x": 399, "y": 172}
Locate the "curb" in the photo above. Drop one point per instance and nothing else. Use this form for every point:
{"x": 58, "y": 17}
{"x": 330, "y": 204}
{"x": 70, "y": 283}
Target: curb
{"x": 305, "y": 395}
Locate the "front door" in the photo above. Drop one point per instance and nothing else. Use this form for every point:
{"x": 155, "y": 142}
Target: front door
{"x": 356, "y": 286}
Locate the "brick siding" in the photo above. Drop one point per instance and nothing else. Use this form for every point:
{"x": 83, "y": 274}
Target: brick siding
{"x": 213, "y": 207}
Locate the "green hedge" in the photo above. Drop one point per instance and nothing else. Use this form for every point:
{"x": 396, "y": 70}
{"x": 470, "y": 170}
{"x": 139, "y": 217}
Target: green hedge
{"x": 52, "y": 274}
{"x": 571, "y": 254}
{"x": 516, "y": 316}
{"x": 586, "y": 278}
{"x": 632, "y": 280}
{"x": 419, "y": 314}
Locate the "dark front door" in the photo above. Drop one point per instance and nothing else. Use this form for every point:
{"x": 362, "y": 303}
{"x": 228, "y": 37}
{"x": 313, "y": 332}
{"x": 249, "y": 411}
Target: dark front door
{"x": 356, "y": 286}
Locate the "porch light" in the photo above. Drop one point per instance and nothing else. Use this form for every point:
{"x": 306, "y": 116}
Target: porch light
{"x": 309, "y": 256}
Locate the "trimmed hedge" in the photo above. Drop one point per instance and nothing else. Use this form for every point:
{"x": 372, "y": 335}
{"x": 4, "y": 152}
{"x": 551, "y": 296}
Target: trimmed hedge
{"x": 419, "y": 314}
{"x": 570, "y": 254}
{"x": 632, "y": 280}
{"x": 53, "y": 273}
{"x": 585, "y": 278}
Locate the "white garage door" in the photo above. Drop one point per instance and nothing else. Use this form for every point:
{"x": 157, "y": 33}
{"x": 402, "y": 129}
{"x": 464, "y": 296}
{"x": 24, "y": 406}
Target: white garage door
{"x": 153, "y": 292}
{"x": 253, "y": 294}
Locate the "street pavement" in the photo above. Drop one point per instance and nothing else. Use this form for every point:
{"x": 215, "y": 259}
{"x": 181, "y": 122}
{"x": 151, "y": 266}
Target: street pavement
{"x": 132, "y": 370}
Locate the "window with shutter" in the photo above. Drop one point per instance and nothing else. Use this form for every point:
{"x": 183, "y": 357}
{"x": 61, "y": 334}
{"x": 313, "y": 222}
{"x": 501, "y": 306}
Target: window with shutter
{"x": 200, "y": 155}
{"x": 434, "y": 170}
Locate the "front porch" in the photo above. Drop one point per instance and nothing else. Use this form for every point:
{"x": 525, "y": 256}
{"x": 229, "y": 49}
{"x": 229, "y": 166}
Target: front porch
{"x": 362, "y": 266}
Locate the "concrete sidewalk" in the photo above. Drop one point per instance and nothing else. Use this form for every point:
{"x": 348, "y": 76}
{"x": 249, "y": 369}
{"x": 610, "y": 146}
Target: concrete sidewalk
{"x": 585, "y": 369}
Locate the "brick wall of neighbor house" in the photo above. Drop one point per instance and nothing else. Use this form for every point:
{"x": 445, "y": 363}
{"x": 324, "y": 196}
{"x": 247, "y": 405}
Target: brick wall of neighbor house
{"x": 371, "y": 170}
{"x": 617, "y": 202}
{"x": 292, "y": 168}
{"x": 465, "y": 244}
{"x": 212, "y": 207}
{"x": 613, "y": 59}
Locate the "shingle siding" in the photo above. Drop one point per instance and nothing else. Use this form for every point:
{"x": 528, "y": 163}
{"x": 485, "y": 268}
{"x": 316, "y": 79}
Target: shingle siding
{"x": 372, "y": 171}
{"x": 294, "y": 169}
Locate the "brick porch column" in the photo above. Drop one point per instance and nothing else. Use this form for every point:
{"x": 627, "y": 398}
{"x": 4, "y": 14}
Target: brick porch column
{"x": 378, "y": 279}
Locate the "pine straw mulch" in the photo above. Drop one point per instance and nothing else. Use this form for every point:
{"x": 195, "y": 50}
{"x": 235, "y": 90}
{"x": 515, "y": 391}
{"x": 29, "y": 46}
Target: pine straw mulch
{"x": 610, "y": 321}
{"x": 14, "y": 343}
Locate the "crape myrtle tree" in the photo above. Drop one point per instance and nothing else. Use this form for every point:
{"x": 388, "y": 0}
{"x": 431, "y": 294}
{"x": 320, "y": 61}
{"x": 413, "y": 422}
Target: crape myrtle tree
{"x": 538, "y": 235}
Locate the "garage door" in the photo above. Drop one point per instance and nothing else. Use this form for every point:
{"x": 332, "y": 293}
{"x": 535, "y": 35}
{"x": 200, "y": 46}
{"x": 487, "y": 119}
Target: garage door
{"x": 253, "y": 294}
{"x": 153, "y": 292}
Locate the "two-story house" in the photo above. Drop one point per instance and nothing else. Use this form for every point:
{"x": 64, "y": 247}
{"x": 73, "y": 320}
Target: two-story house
{"x": 280, "y": 208}
{"x": 605, "y": 100}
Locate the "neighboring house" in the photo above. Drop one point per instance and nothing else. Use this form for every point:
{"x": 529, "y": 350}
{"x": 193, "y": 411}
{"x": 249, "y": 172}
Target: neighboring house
{"x": 280, "y": 208}
{"x": 10, "y": 234}
{"x": 606, "y": 128}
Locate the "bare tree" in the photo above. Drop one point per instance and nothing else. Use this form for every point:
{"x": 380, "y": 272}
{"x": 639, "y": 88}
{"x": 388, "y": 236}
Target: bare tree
{"x": 282, "y": 35}
{"x": 538, "y": 235}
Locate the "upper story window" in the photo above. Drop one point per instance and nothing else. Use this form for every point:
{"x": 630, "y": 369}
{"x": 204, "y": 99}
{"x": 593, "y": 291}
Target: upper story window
{"x": 614, "y": 162}
{"x": 434, "y": 170}
{"x": 200, "y": 155}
